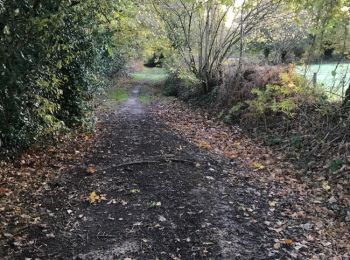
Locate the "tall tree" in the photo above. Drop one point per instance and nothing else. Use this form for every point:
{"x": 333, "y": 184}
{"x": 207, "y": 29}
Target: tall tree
{"x": 205, "y": 32}
{"x": 331, "y": 28}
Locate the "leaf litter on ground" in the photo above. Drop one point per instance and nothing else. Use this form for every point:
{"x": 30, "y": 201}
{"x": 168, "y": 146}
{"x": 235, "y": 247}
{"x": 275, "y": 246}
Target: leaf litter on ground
{"x": 308, "y": 223}
{"x": 29, "y": 176}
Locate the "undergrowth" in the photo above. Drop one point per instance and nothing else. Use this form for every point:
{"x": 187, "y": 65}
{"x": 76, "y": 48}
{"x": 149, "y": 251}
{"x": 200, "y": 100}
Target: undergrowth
{"x": 297, "y": 118}
{"x": 275, "y": 106}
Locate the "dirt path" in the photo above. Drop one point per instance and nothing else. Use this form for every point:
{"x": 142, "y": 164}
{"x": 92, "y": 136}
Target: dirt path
{"x": 160, "y": 197}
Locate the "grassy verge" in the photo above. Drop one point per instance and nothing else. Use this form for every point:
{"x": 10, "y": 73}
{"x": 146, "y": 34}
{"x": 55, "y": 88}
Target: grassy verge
{"x": 118, "y": 95}
{"x": 145, "y": 99}
{"x": 152, "y": 75}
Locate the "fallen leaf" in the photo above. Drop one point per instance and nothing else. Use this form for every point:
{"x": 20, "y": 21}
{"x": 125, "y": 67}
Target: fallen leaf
{"x": 93, "y": 197}
{"x": 91, "y": 169}
{"x": 203, "y": 144}
{"x": 326, "y": 186}
{"x": 288, "y": 242}
{"x": 51, "y": 149}
{"x": 332, "y": 200}
{"x": 102, "y": 197}
{"x": 154, "y": 204}
{"x": 258, "y": 166}
{"x": 277, "y": 246}
{"x": 133, "y": 191}
{"x": 4, "y": 192}
{"x": 162, "y": 219}
{"x": 272, "y": 203}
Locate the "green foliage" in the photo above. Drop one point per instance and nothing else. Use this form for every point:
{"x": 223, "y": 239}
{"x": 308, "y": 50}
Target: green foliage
{"x": 234, "y": 112}
{"x": 330, "y": 27}
{"x": 296, "y": 140}
{"x": 171, "y": 87}
{"x": 274, "y": 141}
{"x": 145, "y": 99}
{"x": 174, "y": 86}
{"x": 54, "y": 56}
{"x": 335, "y": 165}
{"x": 285, "y": 97}
{"x": 236, "y": 109}
{"x": 274, "y": 98}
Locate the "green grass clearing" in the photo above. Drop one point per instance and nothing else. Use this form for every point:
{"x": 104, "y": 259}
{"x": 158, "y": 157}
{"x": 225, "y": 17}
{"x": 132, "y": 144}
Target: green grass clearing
{"x": 145, "y": 99}
{"x": 153, "y": 75}
{"x": 332, "y": 78}
{"x": 119, "y": 95}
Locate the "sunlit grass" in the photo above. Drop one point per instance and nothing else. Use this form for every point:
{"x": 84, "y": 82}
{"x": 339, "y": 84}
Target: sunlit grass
{"x": 119, "y": 95}
{"x": 332, "y": 78}
{"x": 152, "y": 75}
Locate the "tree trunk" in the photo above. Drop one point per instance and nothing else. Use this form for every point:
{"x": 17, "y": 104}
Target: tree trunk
{"x": 267, "y": 52}
{"x": 284, "y": 56}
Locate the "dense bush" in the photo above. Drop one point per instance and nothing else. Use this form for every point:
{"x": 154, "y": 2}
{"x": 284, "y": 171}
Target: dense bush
{"x": 267, "y": 91}
{"x": 187, "y": 89}
{"x": 54, "y": 56}
{"x": 238, "y": 83}
{"x": 286, "y": 97}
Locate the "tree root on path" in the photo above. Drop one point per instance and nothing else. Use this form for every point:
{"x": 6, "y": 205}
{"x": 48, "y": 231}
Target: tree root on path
{"x": 161, "y": 160}
{"x": 135, "y": 163}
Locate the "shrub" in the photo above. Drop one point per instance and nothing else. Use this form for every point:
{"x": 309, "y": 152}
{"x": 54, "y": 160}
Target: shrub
{"x": 182, "y": 84}
{"x": 290, "y": 94}
{"x": 54, "y": 56}
{"x": 171, "y": 87}
{"x": 237, "y": 87}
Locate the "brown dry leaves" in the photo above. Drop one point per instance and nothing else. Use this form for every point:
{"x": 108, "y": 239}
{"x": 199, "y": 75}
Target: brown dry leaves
{"x": 29, "y": 176}
{"x": 322, "y": 230}
{"x": 91, "y": 169}
{"x": 218, "y": 137}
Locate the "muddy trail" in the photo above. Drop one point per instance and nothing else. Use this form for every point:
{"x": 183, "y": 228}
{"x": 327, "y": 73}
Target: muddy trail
{"x": 150, "y": 195}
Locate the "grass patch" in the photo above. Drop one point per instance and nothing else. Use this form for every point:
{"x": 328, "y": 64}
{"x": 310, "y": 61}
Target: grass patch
{"x": 152, "y": 75}
{"x": 145, "y": 99}
{"x": 119, "y": 95}
{"x": 334, "y": 78}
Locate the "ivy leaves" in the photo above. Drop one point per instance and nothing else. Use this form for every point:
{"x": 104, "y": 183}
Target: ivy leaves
{"x": 52, "y": 53}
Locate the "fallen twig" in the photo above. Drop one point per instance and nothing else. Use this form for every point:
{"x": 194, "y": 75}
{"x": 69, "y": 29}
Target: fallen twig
{"x": 136, "y": 162}
{"x": 105, "y": 236}
{"x": 158, "y": 161}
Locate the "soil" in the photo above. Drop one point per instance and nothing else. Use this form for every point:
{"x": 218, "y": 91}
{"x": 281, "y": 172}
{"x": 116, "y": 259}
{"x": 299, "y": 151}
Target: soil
{"x": 145, "y": 192}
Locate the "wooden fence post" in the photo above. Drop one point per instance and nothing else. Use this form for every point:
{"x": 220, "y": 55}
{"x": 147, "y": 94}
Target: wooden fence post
{"x": 314, "y": 79}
